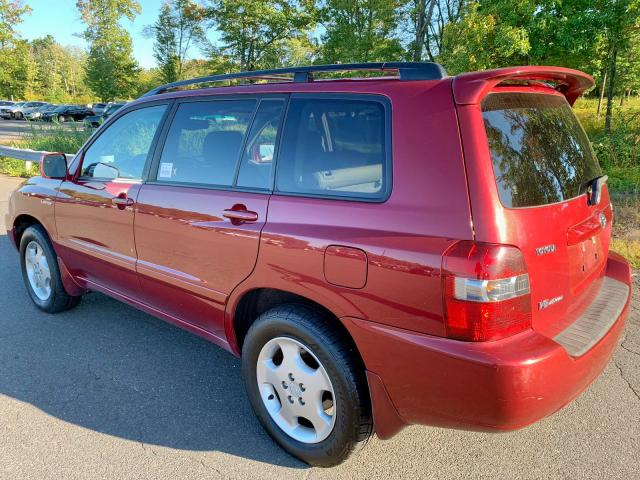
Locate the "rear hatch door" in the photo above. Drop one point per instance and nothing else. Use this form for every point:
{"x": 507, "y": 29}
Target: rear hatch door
{"x": 537, "y": 190}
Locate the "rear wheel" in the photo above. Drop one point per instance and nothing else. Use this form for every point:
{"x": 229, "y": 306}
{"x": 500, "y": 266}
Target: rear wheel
{"x": 41, "y": 273}
{"x": 306, "y": 386}
{"x": 61, "y": 118}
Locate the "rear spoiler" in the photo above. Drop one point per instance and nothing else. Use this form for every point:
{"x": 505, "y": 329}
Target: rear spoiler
{"x": 470, "y": 88}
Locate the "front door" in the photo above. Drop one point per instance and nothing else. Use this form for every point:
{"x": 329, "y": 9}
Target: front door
{"x": 95, "y": 211}
{"x": 199, "y": 218}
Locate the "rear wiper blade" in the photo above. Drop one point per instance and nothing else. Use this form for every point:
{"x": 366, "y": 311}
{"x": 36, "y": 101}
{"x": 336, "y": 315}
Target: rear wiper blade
{"x": 594, "y": 189}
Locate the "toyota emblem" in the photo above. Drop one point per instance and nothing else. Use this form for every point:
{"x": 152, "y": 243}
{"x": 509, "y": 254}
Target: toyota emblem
{"x": 603, "y": 220}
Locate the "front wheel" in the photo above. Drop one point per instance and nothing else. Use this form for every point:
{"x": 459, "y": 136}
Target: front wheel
{"x": 306, "y": 385}
{"x": 41, "y": 273}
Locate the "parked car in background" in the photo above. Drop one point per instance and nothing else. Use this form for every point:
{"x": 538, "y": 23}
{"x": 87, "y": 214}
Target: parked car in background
{"x": 27, "y": 111}
{"x": 417, "y": 249}
{"x": 5, "y": 105}
{"x": 67, "y": 113}
{"x": 19, "y": 112}
{"x": 5, "y": 111}
{"x": 36, "y": 113}
{"x": 98, "y": 119}
{"x": 99, "y": 108}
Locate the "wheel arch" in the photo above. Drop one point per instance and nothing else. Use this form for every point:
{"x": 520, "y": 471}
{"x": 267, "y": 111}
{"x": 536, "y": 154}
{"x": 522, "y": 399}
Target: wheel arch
{"x": 254, "y": 302}
{"x": 22, "y": 222}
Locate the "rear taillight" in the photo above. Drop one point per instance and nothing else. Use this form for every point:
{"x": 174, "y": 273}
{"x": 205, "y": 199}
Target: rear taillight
{"x": 486, "y": 291}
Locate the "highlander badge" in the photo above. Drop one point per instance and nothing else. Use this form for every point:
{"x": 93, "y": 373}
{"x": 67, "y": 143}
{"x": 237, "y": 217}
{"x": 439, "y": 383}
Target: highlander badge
{"x": 550, "y": 301}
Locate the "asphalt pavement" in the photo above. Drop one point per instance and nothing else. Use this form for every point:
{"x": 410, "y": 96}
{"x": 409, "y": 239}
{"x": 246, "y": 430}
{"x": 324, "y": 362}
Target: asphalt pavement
{"x": 106, "y": 391}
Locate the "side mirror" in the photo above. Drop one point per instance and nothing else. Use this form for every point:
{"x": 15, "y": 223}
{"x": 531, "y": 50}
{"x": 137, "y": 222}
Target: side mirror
{"x": 54, "y": 165}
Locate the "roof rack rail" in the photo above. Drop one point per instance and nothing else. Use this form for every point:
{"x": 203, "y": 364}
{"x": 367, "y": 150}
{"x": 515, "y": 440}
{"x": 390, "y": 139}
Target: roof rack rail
{"x": 406, "y": 71}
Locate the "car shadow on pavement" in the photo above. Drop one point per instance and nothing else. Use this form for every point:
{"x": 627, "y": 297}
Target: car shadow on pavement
{"x": 107, "y": 367}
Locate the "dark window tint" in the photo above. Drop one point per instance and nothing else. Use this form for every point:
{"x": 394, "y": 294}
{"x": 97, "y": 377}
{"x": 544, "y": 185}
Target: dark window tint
{"x": 334, "y": 147}
{"x": 257, "y": 161}
{"x": 540, "y": 152}
{"x": 121, "y": 151}
{"x": 204, "y": 142}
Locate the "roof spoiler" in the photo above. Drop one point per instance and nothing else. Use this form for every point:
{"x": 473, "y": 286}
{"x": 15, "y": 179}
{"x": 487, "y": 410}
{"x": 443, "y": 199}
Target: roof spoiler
{"x": 470, "y": 88}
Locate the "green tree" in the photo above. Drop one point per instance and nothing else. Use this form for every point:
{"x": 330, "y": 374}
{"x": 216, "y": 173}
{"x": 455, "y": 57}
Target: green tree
{"x": 361, "y": 30}
{"x": 178, "y": 27}
{"x": 422, "y": 26}
{"x": 421, "y": 15}
{"x": 480, "y": 39}
{"x": 11, "y": 13}
{"x": 111, "y": 69}
{"x": 17, "y": 70}
{"x": 59, "y": 71}
{"x": 621, "y": 24}
{"x": 252, "y": 31}
{"x": 16, "y": 64}
{"x": 629, "y": 67}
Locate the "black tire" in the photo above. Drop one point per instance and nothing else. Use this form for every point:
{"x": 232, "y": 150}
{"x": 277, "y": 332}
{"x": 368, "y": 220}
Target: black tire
{"x": 59, "y": 300}
{"x": 61, "y": 119}
{"x": 353, "y": 422}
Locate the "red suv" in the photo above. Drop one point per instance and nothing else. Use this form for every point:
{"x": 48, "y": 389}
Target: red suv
{"x": 406, "y": 249}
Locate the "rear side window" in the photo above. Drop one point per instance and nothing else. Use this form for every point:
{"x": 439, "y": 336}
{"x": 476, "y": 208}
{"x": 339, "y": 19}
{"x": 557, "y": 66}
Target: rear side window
{"x": 204, "y": 142}
{"x": 334, "y": 147}
{"x": 539, "y": 151}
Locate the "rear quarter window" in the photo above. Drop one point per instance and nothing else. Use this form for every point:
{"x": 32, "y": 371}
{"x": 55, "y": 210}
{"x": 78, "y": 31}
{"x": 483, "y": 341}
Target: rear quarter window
{"x": 539, "y": 151}
{"x": 335, "y": 148}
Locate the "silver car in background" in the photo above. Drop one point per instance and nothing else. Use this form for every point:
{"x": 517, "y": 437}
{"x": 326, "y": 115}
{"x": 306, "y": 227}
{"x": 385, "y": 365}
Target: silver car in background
{"x": 5, "y": 110}
{"x": 36, "y": 113}
{"x": 19, "y": 113}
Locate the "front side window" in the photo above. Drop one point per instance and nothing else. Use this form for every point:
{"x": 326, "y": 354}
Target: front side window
{"x": 334, "y": 147}
{"x": 122, "y": 150}
{"x": 204, "y": 142}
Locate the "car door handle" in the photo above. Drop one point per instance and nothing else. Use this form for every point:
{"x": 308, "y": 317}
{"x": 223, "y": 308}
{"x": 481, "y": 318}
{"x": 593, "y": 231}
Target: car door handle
{"x": 122, "y": 202}
{"x": 239, "y": 215}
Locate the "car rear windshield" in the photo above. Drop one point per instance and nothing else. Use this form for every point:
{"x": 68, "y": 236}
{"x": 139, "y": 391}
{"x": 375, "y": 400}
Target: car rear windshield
{"x": 540, "y": 153}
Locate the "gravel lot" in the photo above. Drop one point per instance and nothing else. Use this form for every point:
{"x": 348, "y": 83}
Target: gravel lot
{"x": 105, "y": 391}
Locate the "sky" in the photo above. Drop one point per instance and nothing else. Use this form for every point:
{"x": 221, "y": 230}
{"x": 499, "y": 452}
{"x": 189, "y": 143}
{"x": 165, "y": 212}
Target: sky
{"x": 60, "y": 19}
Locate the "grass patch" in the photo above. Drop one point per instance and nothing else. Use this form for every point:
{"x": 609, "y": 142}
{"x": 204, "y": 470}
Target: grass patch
{"x": 619, "y": 151}
{"x": 626, "y": 227}
{"x": 630, "y": 249}
{"x": 16, "y": 168}
{"x": 64, "y": 138}
{"x": 67, "y": 138}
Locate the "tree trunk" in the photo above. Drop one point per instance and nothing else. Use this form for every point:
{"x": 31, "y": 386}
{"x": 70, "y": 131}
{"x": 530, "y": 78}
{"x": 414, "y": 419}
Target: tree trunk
{"x": 423, "y": 20}
{"x": 604, "y": 82}
{"x": 611, "y": 88}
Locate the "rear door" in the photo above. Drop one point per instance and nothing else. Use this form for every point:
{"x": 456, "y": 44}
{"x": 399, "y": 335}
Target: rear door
{"x": 198, "y": 219}
{"x": 542, "y": 168}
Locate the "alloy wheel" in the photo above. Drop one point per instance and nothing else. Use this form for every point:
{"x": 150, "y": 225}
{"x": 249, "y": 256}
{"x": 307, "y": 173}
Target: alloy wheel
{"x": 296, "y": 390}
{"x": 38, "y": 271}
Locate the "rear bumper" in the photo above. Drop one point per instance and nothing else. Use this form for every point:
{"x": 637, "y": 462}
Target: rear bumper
{"x": 488, "y": 386}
